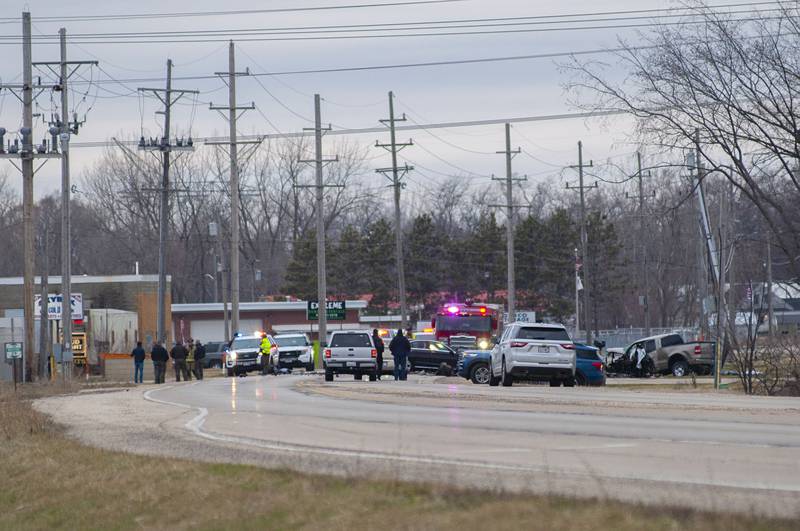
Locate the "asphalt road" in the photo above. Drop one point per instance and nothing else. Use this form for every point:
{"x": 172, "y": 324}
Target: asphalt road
{"x": 719, "y": 452}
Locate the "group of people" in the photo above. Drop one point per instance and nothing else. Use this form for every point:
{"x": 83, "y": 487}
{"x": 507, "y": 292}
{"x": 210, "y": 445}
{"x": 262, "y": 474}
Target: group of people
{"x": 400, "y": 347}
{"x": 186, "y": 359}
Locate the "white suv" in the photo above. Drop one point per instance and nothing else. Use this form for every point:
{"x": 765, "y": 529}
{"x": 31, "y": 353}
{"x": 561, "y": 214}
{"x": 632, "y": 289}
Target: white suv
{"x": 533, "y": 351}
{"x": 351, "y": 352}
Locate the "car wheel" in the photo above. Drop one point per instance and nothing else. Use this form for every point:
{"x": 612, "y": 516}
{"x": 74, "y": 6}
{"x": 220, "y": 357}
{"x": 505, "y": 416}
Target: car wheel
{"x": 555, "y": 383}
{"x": 680, "y": 368}
{"x": 230, "y": 373}
{"x": 358, "y": 376}
{"x": 310, "y": 367}
{"x": 580, "y": 379}
{"x": 328, "y": 375}
{"x": 569, "y": 382}
{"x": 494, "y": 381}
{"x": 505, "y": 378}
{"x": 412, "y": 368}
{"x": 480, "y": 374}
{"x": 373, "y": 377}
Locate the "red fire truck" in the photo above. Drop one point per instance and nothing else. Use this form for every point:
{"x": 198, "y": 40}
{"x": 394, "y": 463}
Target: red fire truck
{"x": 466, "y": 325}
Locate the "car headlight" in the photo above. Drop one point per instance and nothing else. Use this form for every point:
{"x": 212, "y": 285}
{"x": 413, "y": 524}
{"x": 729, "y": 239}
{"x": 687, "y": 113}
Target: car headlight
{"x": 483, "y": 344}
{"x": 232, "y": 355}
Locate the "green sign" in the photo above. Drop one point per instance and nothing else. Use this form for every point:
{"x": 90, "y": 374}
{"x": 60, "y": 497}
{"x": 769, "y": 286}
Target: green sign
{"x": 335, "y": 310}
{"x": 14, "y": 351}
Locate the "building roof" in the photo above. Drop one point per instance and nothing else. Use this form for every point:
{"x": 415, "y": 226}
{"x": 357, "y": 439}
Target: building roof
{"x": 85, "y": 279}
{"x": 211, "y": 307}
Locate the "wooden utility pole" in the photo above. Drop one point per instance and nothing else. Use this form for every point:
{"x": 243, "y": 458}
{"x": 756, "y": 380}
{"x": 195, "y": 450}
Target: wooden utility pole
{"x": 509, "y": 206}
{"x": 397, "y": 173}
{"x": 644, "y": 284}
{"x": 319, "y": 187}
{"x": 168, "y": 96}
{"x": 232, "y": 144}
{"x": 587, "y": 284}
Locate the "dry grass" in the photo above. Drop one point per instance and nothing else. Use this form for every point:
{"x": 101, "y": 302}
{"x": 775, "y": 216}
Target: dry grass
{"x": 48, "y": 481}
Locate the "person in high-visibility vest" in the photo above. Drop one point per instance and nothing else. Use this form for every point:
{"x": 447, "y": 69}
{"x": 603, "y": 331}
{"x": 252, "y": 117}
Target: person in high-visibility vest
{"x": 266, "y": 347}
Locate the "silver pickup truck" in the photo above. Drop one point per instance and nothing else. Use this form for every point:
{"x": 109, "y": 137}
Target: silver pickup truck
{"x": 669, "y": 353}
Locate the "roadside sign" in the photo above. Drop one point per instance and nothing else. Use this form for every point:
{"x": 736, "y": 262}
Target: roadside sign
{"x": 334, "y": 310}
{"x": 521, "y": 317}
{"x": 54, "y": 302}
{"x": 13, "y": 351}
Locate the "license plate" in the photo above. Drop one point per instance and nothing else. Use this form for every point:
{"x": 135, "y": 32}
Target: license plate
{"x": 351, "y": 364}
{"x": 544, "y": 350}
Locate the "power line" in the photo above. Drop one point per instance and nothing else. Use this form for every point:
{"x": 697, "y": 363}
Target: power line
{"x": 187, "y": 14}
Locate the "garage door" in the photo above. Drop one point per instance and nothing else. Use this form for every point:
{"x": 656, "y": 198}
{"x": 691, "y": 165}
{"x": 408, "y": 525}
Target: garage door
{"x": 214, "y": 330}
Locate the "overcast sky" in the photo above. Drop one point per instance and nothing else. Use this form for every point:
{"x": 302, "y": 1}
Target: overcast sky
{"x": 352, "y": 99}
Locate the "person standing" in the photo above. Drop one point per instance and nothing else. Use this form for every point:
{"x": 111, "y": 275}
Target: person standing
{"x": 190, "y": 360}
{"x": 160, "y": 356}
{"x": 138, "y": 356}
{"x": 178, "y": 354}
{"x": 400, "y": 348}
{"x": 199, "y": 357}
{"x": 379, "y": 348}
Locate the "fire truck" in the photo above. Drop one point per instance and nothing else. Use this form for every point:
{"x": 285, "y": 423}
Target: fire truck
{"x": 466, "y": 325}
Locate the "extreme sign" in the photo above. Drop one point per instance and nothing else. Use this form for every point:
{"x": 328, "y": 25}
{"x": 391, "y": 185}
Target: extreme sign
{"x": 335, "y": 310}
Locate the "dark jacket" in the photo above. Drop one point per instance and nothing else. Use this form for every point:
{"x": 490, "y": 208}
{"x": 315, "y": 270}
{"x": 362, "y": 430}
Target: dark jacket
{"x": 179, "y": 352}
{"x": 159, "y": 353}
{"x": 400, "y": 345}
{"x": 199, "y": 351}
{"x": 379, "y": 346}
{"x": 138, "y": 354}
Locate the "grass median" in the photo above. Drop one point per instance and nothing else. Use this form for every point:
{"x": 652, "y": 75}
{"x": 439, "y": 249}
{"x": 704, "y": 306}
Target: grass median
{"x": 48, "y": 481}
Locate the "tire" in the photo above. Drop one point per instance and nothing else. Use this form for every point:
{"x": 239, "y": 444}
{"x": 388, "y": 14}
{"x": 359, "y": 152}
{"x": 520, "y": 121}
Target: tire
{"x": 555, "y": 383}
{"x": 580, "y": 379}
{"x": 358, "y": 376}
{"x": 494, "y": 381}
{"x": 569, "y": 382}
{"x": 230, "y": 373}
{"x": 505, "y": 378}
{"x": 310, "y": 367}
{"x": 328, "y": 375}
{"x": 412, "y": 368}
{"x": 373, "y": 377}
{"x": 679, "y": 369}
{"x": 480, "y": 374}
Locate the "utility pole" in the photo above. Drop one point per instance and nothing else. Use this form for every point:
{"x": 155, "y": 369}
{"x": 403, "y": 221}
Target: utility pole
{"x": 168, "y": 96}
{"x": 397, "y": 173}
{"x": 509, "y": 206}
{"x": 770, "y": 307}
{"x": 26, "y": 152}
{"x": 64, "y": 128}
{"x": 214, "y": 229}
{"x": 45, "y": 339}
{"x": 233, "y": 142}
{"x": 578, "y": 289}
{"x": 587, "y": 284}
{"x": 319, "y": 162}
{"x": 645, "y": 280}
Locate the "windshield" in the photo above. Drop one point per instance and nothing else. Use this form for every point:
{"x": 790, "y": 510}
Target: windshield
{"x": 543, "y": 334}
{"x": 464, "y": 323}
{"x": 291, "y": 341}
{"x": 351, "y": 340}
{"x": 250, "y": 342}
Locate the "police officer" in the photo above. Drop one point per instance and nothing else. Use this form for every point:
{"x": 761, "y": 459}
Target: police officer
{"x": 160, "y": 356}
{"x": 266, "y": 348}
{"x": 178, "y": 354}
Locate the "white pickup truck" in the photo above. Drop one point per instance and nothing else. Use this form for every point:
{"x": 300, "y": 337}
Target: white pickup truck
{"x": 351, "y": 352}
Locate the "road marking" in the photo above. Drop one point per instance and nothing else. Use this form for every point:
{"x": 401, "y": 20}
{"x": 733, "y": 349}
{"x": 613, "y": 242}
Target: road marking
{"x": 195, "y": 425}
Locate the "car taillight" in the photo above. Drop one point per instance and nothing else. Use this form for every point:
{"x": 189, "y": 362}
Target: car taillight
{"x": 374, "y": 353}
{"x": 697, "y": 350}
{"x": 568, "y": 346}
{"x": 327, "y": 353}
{"x": 597, "y": 365}
{"x": 518, "y": 344}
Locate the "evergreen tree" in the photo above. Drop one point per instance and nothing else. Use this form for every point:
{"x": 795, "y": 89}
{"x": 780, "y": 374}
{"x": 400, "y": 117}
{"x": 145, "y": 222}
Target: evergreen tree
{"x": 301, "y": 272}
{"x": 424, "y": 260}
{"x": 348, "y": 264}
{"x": 486, "y": 257}
{"x": 381, "y": 279}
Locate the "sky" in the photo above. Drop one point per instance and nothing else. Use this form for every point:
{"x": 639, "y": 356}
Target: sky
{"x": 350, "y": 99}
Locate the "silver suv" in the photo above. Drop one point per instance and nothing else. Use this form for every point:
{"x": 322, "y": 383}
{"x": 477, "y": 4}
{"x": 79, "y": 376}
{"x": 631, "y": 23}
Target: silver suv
{"x": 533, "y": 351}
{"x": 351, "y": 352}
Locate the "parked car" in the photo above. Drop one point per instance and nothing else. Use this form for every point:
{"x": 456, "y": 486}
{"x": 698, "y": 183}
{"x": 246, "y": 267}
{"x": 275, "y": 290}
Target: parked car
{"x": 431, "y": 354}
{"x": 244, "y": 355}
{"x": 533, "y": 351}
{"x": 294, "y": 351}
{"x": 589, "y": 368}
{"x": 351, "y": 352}
{"x": 474, "y": 365}
{"x": 669, "y": 354}
{"x": 215, "y": 351}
